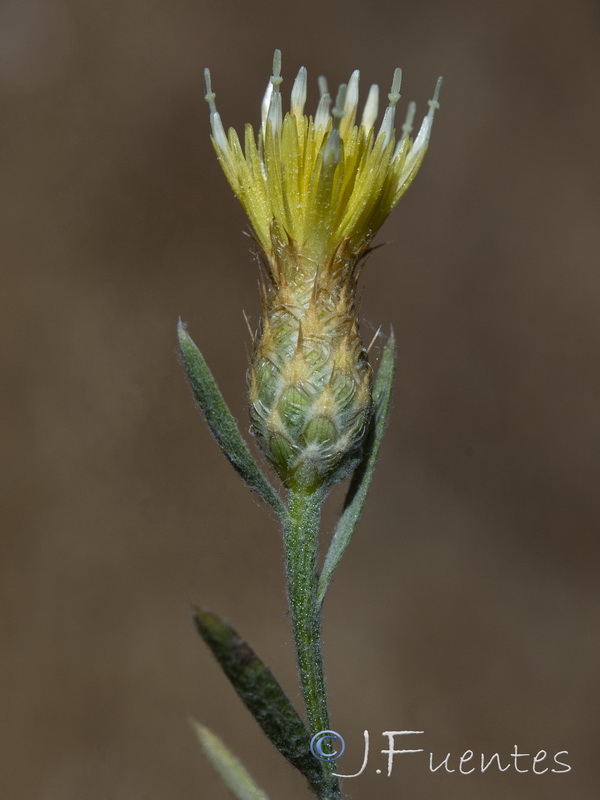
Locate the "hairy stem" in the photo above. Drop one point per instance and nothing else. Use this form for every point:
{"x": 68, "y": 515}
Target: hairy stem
{"x": 301, "y": 539}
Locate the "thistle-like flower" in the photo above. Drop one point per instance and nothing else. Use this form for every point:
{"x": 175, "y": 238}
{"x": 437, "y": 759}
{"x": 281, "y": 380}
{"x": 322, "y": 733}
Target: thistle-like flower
{"x": 316, "y": 191}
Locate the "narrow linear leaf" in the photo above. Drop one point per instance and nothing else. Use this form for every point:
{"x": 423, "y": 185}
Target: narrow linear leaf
{"x": 363, "y": 475}
{"x": 221, "y": 422}
{"x": 233, "y": 773}
{"x": 260, "y": 692}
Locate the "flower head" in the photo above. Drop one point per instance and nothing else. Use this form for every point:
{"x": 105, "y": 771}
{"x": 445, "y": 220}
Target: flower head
{"x": 316, "y": 191}
{"x": 321, "y": 180}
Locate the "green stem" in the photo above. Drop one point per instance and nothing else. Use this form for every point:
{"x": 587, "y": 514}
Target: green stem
{"x": 301, "y": 540}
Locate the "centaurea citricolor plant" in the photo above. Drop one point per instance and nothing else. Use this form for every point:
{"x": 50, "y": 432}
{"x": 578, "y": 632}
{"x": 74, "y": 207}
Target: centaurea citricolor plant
{"x": 316, "y": 191}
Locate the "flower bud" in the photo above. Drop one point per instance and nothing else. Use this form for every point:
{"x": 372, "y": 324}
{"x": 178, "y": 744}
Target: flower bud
{"x": 316, "y": 191}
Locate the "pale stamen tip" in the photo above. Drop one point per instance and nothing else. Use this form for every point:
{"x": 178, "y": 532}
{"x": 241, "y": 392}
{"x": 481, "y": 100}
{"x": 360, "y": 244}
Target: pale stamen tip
{"x": 277, "y": 63}
{"x": 394, "y": 94}
{"x": 276, "y": 80}
{"x": 332, "y": 151}
{"x": 209, "y": 95}
{"x": 408, "y": 122}
{"x": 322, "y": 115}
{"x": 299, "y": 88}
{"x": 371, "y": 108}
{"x": 434, "y": 103}
{"x": 351, "y": 101}
{"x": 301, "y": 77}
{"x": 340, "y": 101}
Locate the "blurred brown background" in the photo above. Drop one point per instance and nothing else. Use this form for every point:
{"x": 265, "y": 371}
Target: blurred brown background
{"x": 467, "y": 605}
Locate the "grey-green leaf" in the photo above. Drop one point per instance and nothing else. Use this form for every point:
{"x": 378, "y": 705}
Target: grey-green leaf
{"x": 363, "y": 475}
{"x": 221, "y": 422}
{"x": 233, "y": 773}
{"x": 262, "y": 695}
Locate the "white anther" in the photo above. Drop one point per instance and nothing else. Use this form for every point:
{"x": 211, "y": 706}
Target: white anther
{"x": 371, "y": 108}
{"x": 322, "y": 115}
{"x": 275, "y": 111}
{"x": 434, "y": 103}
{"x": 409, "y": 119}
{"x": 394, "y": 94}
{"x": 264, "y": 109}
{"x": 387, "y": 126}
{"x": 274, "y": 114}
{"x": 352, "y": 93}
{"x": 299, "y": 93}
{"x": 331, "y": 153}
{"x": 406, "y": 127}
{"x": 276, "y": 76}
{"x": 340, "y": 104}
{"x": 422, "y": 138}
{"x": 210, "y": 95}
{"x": 216, "y": 125}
